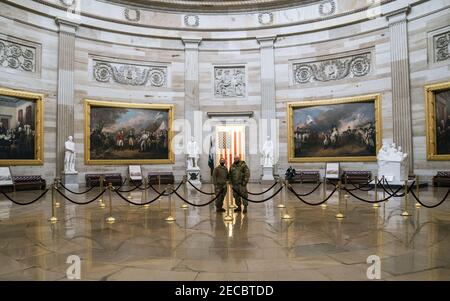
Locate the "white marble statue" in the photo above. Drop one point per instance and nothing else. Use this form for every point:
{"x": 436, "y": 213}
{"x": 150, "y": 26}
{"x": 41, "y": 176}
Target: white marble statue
{"x": 192, "y": 152}
{"x": 267, "y": 152}
{"x": 392, "y": 162}
{"x": 69, "y": 159}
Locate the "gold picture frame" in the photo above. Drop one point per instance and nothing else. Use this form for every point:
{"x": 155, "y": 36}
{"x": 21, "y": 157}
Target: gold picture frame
{"x": 430, "y": 108}
{"x": 372, "y": 98}
{"x": 89, "y": 104}
{"x": 37, "y": 113}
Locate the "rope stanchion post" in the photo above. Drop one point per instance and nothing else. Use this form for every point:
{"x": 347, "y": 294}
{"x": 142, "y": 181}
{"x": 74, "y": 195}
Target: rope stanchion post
{"x": 417, "y": 192}
{"x": 281, "y": 204}
{"x": 185, "y": 189}
{"x": 53, "y": 219}
{"x": 339, "y": 214}
{"x": 146, "y": 206}
{"x": 101, "y": 204}
{"x": 324, "y": 192}
{"x": 170, "y": 218}
{"x": 376, "y": 205}
{"x": 286, "y": 214}
{"x": 228, "y": 217}
{"x": 405, "y": 212}
{"x": 345, "y": 186}
{"x": 57, "y": 204}
{"x": 110, "y": 219}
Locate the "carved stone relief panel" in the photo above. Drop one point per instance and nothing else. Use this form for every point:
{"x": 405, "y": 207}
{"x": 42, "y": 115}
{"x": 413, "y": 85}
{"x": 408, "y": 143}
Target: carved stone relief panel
{"x": 229, "y": 82}
{"x": 17, "y": 56}
{"x": 441, "y": 46}
{"x": 129, "y": 74}
{"x": 357, "y": 65}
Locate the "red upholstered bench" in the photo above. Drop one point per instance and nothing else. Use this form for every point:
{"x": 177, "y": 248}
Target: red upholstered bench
{"x": 29, "y": 183}
{"x": 442, "y": 178}
{"x": 93, "y": 180}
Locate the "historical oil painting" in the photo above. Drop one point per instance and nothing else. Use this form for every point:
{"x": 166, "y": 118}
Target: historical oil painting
{"x": 127, "y": 133}
{"x": 438, "y": 121}
{"x": 336, "y": 130}
{"x": 20, "y": 128}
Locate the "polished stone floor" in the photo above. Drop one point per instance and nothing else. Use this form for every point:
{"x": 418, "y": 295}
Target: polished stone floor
{"x": 199, "y": 245}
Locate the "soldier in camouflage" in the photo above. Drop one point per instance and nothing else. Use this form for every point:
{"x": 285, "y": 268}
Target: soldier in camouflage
{"x": 239, "y": 177}
{"x": 219, "y": 179}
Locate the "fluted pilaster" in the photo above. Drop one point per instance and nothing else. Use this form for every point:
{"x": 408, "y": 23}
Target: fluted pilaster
{"x": 401, "y": 99}
{"x": 65, "y": 103}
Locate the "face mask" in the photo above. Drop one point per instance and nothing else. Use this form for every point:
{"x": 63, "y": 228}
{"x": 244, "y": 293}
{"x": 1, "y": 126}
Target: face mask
{"x": 222, "y": 163}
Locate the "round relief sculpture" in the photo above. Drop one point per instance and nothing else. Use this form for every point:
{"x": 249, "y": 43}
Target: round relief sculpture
{"x": 303, "y": 74}
{"x": 14, "y": 51}
{"x": 2, "y": 52}
{"x": 102, "y": 72}
{"x": 27, "y": 65}
{"x": 13, "y": 62}
{"x": 157, "y": 78}
{"x": 360, "y": 66}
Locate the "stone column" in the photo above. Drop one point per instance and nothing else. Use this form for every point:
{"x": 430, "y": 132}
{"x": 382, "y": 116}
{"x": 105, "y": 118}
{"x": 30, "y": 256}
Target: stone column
{"x": 401, "y": 99}
{"x": 65, "y": 103}
{"x": 191, "y": 82}
{"x": 267, "y": 82}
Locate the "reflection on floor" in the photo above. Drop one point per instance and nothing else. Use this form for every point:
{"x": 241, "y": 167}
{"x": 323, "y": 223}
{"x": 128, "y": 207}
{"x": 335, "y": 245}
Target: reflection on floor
{"x": 199, "y": 245}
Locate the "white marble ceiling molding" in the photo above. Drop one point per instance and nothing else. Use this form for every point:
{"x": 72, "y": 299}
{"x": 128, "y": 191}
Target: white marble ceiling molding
{"x": 191, "y": 20}
{"x": 230, "y": 81}
{"x": 232, "y": 21}
{"x": 130, "y": 74}
{"x": 339, "y": 67}
{"x": 19, "y": 55}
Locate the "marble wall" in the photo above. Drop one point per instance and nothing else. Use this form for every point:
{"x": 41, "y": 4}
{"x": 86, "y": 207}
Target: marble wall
{"x": 187, "y": 54}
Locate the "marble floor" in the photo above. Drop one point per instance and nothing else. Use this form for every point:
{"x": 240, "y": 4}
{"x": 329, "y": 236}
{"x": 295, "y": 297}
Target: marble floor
{"x": 199, "y": 245}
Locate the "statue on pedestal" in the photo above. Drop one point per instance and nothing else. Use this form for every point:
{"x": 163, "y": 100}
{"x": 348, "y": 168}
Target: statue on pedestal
{"x": 69, "y": 159}
{"x": 392, "y": 162}
{"x": 267, "y": 152}
{"x": 192, "y": 152}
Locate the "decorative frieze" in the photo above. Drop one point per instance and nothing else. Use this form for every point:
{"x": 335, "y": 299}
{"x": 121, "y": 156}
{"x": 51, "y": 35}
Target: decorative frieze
{"x": 191, "y": 20}
{"x": 68, "y": 2}
{"x": 132, "y": 15}
{"x": 332, "y": 69}
{"x": 327, "y": 8}
{"x": 265, "y": 18}
{"x": 229, "y": 82}
{"x": 441, "y": 46}
{"x": 130, "y": 74}
{"x": 17, "y": 56}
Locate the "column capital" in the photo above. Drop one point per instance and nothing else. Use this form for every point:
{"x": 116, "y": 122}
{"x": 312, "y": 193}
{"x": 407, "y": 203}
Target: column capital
{"x": 191, "y": 42}
{"x": 398, "y": 15}
{"x": 266, "y": 42}
{"x": 66, "y": 26}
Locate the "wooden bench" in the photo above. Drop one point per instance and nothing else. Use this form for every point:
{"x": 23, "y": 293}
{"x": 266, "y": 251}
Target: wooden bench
{"x": 93, "y": 180}
{"x": 29, "y": 183}
{"x": 442, "y": 178}
{"x": 356, "y": 177}
{"x": 164, "y": 178}
{"x": 304, "y": 176}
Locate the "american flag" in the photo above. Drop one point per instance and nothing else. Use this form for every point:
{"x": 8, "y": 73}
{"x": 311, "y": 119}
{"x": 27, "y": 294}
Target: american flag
{"x": 230, "y": 144}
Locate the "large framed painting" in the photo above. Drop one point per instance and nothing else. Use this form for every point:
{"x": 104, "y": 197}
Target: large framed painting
{"x": 437, "y": 103}
{"x": 21, "y": 128}
{"x": 335, "y": 130}
{"x": 128, "y": 133}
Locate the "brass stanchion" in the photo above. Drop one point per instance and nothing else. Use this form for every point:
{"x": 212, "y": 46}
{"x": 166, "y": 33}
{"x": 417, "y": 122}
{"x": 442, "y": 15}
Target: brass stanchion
{"x": 345, "y": 186}
{"x": 101, "y": 204}
{"x": 110, "y": 219}
{"x": 57, "y": 204}
{"x": 339, "y": 214}
{"x": 286, "y": 214}
{"x": 405, "y": 211}
{"x": 324, "y": 192}
{"x": 281, "y": 204}
{"x": 229, "y": 216}
{"x": 384, "y": 198}
{"x": 185, "y": 189}
{"x": 53, "y": 219}
{"x": 159, "y": 189}
{"x": 376, "y": 205}
{"x": 146, "y": 206}
{"x": 170, "y": 218}
{"x": 417, "y": 192}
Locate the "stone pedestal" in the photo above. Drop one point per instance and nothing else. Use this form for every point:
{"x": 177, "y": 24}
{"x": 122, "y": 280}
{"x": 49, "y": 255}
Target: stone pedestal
{"x": 70, "y": 180}
{"x": 393, "y": 171}
{"x": 193, "y": 175}
{"x": 267, "y": 174}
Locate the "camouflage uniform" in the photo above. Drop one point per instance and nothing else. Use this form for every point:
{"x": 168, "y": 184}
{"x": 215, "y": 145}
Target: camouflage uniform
{"x": 239, "y": 176}
{"x": 219, "y": 178}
